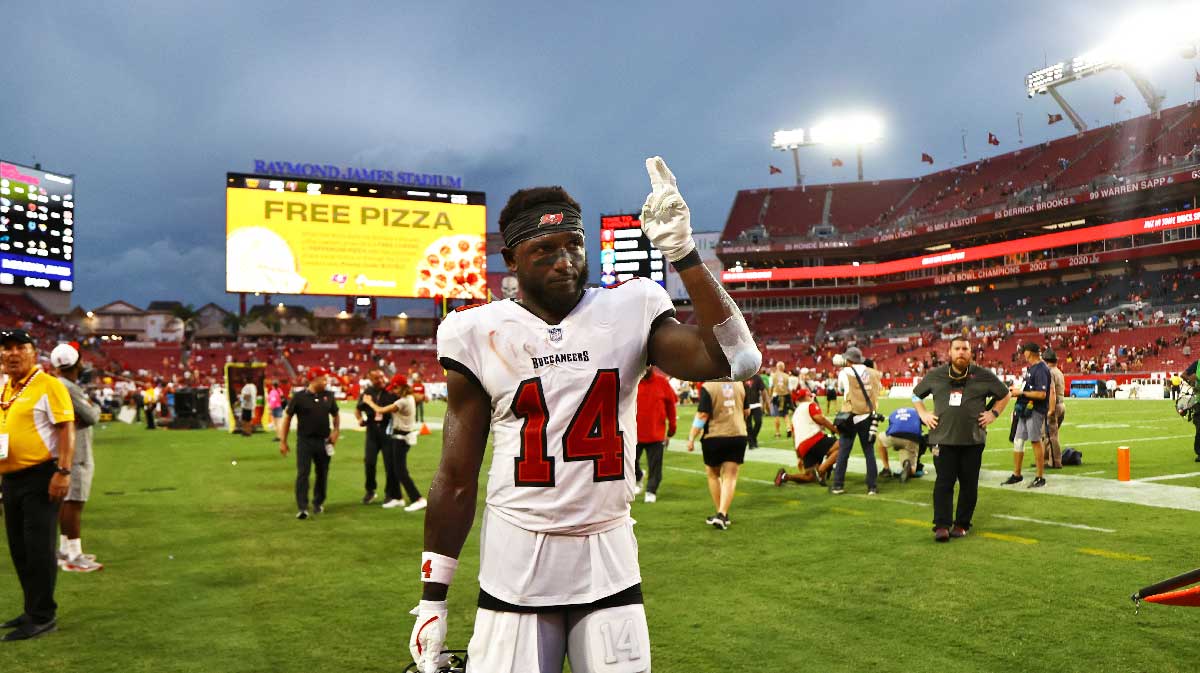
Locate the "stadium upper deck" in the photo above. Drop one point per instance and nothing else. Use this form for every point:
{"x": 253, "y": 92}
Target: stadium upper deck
{"x": 1124, "y": 169}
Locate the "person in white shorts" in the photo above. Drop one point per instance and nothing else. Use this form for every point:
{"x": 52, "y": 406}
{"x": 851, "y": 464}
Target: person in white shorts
{"x": 553, "y": 376}
{"x": 71, "y": 558}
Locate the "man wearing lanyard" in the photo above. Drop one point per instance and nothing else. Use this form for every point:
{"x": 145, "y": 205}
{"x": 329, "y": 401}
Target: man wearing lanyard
{"x": 37, "y": 444}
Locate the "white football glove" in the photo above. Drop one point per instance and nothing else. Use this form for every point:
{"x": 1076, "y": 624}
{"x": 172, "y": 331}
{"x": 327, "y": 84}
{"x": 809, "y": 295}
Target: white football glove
{"x": 666, "y": 220}
{"x": 428, "y": 638}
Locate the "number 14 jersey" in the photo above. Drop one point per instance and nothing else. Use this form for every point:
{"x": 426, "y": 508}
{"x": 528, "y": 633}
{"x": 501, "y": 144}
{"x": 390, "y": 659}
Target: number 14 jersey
{"x": 564, "y": 402}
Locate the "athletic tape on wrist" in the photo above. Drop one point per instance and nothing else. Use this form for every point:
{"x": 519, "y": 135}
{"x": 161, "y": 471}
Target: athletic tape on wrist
{"x": 698, "y": 423}
{"x": 437, "y": 568}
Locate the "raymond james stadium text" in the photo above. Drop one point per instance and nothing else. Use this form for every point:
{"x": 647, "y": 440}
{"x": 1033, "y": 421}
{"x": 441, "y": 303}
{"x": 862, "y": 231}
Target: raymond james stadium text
{"x": 331, "y": 172}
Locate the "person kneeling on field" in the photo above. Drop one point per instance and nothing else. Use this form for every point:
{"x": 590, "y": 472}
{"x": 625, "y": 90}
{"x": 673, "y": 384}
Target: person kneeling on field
{"x": 816, "y": 452}
{"x": 903, "y": 434}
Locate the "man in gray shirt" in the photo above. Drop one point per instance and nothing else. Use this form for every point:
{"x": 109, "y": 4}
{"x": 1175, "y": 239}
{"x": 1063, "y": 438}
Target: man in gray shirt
{"x": 966, "y": 399}
{"x": 70, "y": 550}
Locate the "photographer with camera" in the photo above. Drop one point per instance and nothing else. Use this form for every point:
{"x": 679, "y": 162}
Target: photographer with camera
{"x": 1189, "y": 376}
{"x": 860, "y": 386}
{"x": 1032, "y": 406}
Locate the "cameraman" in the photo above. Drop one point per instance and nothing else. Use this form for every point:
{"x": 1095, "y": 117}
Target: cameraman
{"x": 860, "y": 387}
{"x": 966, "y": 399}
{"x": 1033, "y": 404}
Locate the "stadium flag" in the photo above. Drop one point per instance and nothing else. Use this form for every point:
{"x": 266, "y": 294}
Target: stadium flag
{"x": 926, "y": 159}
{"x": 992, "y": 139}
{"x": 1053, "y": 118}
{"x": 837, "y": 163}
{"x": 1117, "y": 99}
{"x": 775, "y": 169}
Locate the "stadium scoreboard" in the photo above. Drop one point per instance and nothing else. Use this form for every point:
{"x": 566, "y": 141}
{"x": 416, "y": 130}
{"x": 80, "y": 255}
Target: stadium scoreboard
{"x": 286, "y": 236}
{"x": 626, "y": 253}
{"x": 37, "y": 228}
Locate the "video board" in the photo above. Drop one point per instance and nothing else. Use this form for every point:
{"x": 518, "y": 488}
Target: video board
{"x": 347, "y": 238}
{"x": 626, "y": 253}
{"x": 37, "y": 228}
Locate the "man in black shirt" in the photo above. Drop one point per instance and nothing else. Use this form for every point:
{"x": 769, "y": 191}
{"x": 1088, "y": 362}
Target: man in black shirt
{"x": 754, "y": 395}
{"x": 1033, "y": 403}
{"x": 1189, "y": 375}
{"x": 376, "y": 432}
{"x": 966, "y": 399}
{"x": 314, "y": 406}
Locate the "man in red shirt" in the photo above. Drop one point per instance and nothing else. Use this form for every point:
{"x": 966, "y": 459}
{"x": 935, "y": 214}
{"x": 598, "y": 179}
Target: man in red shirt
{"x": 655, "y": 422}
{"x": 418, "y": 391}
{"x": 816, "y": 452}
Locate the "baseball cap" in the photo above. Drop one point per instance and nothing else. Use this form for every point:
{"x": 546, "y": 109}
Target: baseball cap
{"x": 15, "y": 336}
{"x": 64, "y": 355}
{"x": 1031, "y": 347}
{"x": 317, "y": 371}
{"x": 1049, "y": 356}
{"x": 397, "y": 380}
{"x": 853, "y": 354}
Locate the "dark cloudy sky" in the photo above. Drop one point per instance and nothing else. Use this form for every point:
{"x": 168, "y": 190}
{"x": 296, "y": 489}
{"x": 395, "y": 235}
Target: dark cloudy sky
{"x": 149, "y": 104}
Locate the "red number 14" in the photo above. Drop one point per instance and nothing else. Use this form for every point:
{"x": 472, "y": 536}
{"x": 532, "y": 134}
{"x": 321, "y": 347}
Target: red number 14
{"x": 593, "y": 434}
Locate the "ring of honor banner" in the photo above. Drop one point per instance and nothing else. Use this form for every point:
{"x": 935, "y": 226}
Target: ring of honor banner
{"x": 238, "y": 374}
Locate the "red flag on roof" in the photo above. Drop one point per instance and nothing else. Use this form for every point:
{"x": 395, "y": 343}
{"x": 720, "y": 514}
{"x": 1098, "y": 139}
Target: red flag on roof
{"x": 992, "y": 139}
{"x": 1053, "y": 118}
{"x": 1117, "y": 99}
{"x": 776, "y": 169}
{"x": 837, "y": 163}
{"x": 926, "y": 159}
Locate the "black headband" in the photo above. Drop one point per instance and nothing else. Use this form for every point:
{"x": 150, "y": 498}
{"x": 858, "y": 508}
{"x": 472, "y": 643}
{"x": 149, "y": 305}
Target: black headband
{"x": 544, "y": 218}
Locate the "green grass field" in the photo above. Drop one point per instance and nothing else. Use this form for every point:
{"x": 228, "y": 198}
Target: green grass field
{"x": 206, "y": 569}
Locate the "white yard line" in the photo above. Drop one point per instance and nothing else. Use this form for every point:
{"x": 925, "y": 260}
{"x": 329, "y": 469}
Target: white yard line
{"x": 1077, "y": 526}
{"x": 1108, "y": 442}
{"x": 1088, "y": 474}
{"x": 1168, "y": 477}
{"x": 1148, "y": 494}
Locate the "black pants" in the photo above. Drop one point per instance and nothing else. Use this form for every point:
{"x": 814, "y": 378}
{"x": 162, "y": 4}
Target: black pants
{"x": 752, "y": 428}
{"x": 150, "y": 417}
{"x": 961, "y": 464}
{"x": 376, "y": 441}
{"x": 654, "y": 460}
{"x": 31, "y": 522}
{"x": 420, "y": 412}
{"x": 311, "y": 451}
{"x": 1196, "y": 442}
{"x": 395, "y": 461}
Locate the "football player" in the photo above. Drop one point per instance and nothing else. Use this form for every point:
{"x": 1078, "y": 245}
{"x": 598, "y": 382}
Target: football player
{"x": 553, "y": 376}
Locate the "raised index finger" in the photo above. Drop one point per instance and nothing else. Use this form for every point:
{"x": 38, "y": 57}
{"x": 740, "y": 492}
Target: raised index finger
{"x": 660, "y": 175}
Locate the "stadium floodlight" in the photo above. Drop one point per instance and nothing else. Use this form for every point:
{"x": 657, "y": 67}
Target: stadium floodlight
{"x": 852, "y": 130}
{"x": 1141, "y": 40}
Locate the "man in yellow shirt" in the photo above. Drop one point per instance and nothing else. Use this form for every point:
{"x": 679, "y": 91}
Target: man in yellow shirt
{"x": 37, "y": 443}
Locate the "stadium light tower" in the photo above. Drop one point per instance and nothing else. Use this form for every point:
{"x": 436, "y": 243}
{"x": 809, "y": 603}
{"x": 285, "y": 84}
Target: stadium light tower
{"x": 1141, "y": 41}
{"x": 793, "y": 140}
{"x": 853, "y": 131}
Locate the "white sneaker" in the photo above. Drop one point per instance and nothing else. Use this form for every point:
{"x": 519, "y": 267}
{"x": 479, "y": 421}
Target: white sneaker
{"x": 417, "y": 506}
{"x": 637, "y": 488}
{"x": 650, "y": 497}
{"x": 82, "y": 564}
{"x": 393, "y": 504}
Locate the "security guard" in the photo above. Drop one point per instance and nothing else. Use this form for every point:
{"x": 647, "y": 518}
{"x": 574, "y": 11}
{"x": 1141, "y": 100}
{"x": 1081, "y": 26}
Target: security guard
{"x": 314, "y": 443}
{"x": 37, "y": 444}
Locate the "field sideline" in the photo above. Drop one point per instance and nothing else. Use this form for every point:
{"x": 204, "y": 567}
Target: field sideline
{"x": 206, "y": 570}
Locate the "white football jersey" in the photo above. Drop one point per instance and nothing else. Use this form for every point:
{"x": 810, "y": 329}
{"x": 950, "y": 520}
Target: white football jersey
{"x": 564, "y": 402}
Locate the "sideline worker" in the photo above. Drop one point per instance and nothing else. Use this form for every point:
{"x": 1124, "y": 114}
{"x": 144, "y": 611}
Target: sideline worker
{"x": 966, "y": 399}
{"x": 37, "y": 444}
{"x": 65, "y": 358}
{"x": 314, "y": 442}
